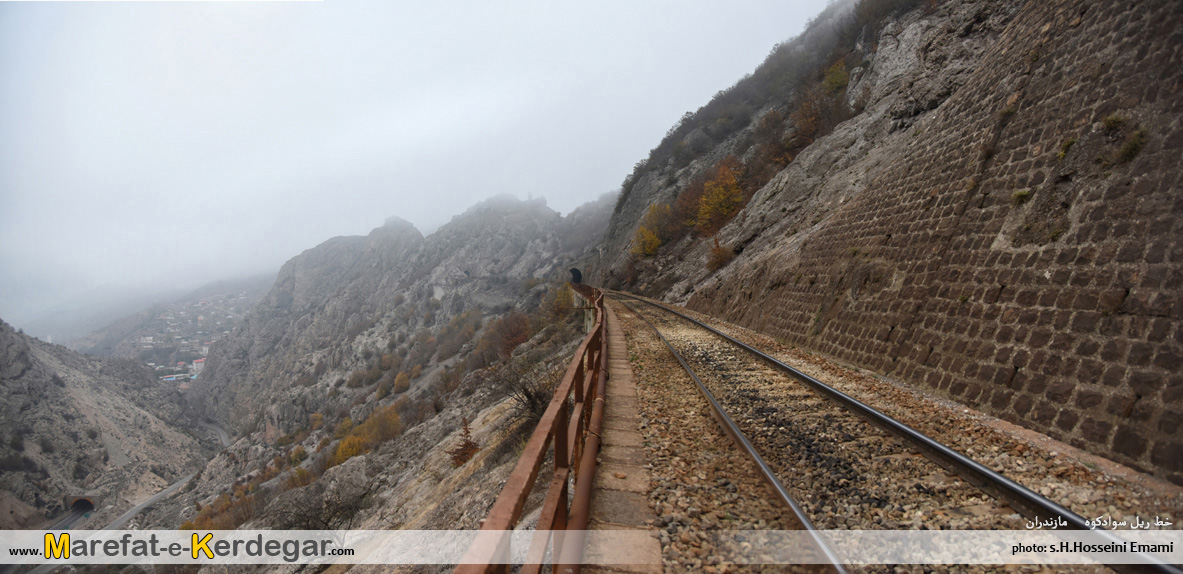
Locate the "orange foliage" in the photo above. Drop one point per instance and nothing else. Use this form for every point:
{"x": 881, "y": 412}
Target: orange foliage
{"x": 298, "y": 455}
{"x": 686, "y": 206}
{"x": 349, "y": 447}
{"x": 645, "y": 242}
{"x": 722, "y": 197}
{"x": 381, "y": 426}
{"x": 466, "y": 449}
{"x": 510, "y": 331}
{"x": 401, "y": 383}
{"x": 720, "y": 256}
{"x": 807, "y": 117}
{"x": 657, "y": 227}
{"x": 560, "y": 302}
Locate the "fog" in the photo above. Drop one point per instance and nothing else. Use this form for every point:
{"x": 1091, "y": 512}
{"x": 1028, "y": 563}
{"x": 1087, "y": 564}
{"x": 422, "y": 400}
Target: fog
{"x": 152, "y": 146}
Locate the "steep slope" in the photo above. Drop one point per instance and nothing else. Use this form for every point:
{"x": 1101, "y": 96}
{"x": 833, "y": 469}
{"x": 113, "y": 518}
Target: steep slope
{"x": 75, "y": 425}
{"x": 316, "y": 298}
{"x": 369, "y": 351}
{"x": 997, "y": 220}
{"x": 337, "y": 307}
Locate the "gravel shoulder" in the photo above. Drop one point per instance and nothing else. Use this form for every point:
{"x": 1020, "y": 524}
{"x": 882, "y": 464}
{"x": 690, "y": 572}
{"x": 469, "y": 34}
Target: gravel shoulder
{"x": 700, "y": 480}
{"x": 1087, "y": 484}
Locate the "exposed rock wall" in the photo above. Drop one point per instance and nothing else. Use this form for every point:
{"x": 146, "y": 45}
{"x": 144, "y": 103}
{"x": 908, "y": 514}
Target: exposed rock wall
{"x": 1021, "y": 250}
{"x": 283, "y": 380}
{"x": 336, "y": 305}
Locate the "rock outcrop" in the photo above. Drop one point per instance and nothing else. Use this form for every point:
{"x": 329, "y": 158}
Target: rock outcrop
{"x": 332, "y": 306}
{"x": 385, "y": 330}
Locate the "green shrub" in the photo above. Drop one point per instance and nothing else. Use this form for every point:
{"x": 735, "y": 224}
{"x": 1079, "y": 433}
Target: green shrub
{"x": 299, "y": 454}
{"x": 1065, "y": 146}
{"x": 836, "y": 77}
{"x": 1132, "y": 147}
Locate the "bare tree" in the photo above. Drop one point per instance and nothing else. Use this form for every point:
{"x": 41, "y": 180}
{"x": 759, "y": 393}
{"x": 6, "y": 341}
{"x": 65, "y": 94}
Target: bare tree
{"x": 529, "y": 385}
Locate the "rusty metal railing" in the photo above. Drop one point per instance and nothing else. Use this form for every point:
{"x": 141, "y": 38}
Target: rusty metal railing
{"x": 572, "y": 424}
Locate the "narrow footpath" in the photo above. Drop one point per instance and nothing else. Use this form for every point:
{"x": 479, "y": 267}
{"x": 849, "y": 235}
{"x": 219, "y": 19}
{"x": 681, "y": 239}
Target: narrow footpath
{"x": 620, "y": 498}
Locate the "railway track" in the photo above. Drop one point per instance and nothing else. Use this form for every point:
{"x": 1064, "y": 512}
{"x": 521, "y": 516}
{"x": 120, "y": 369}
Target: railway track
{"x": 846, "y": 465}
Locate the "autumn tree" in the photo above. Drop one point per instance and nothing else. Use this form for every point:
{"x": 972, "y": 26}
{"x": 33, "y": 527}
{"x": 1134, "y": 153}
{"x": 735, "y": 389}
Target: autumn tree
{"x": 719, "y": 257}
{"x": 381, "y": 426}
{"x": 510, "y": 331}
{"x": 686, "y": 205}
{"x": 807, "y": 117}
{"x": 660, "y": 219}
{"x": 645, "y": 242}
{"x": 402, "y": 382}
{"x": 721, "y": 199}
{"x": 559, "y": 303}
{"x": 466, "y": 449}
{"x": 656, "y": 228}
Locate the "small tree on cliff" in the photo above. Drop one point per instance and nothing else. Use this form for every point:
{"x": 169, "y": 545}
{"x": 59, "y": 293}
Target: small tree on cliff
{"x": 466, "y": 449}
{"x": 721, "y": 199}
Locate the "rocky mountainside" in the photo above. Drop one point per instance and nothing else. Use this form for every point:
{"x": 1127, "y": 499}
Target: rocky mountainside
{"x": 342, "y": 305}
{"x": 977, "y": 197}
{"x": 75, "y": 425}
{"x": 357, "y": 370}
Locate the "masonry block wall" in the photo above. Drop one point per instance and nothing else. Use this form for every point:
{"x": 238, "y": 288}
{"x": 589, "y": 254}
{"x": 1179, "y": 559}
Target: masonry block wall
{"x": 1026, "y": 257}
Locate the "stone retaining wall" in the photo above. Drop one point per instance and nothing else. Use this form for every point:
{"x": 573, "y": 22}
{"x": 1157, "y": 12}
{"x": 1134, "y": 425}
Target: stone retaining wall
{"x": 1026, "y": 257}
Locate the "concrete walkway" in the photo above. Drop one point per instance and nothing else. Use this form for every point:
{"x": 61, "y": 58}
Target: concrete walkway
{"x": 620, "y": 496}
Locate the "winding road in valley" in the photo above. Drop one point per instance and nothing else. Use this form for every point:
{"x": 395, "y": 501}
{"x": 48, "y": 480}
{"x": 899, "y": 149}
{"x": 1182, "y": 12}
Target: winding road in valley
{"x": 73, "y": 518}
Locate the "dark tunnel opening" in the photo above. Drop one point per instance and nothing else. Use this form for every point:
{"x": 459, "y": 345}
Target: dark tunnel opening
{"x": 82, "y": 505}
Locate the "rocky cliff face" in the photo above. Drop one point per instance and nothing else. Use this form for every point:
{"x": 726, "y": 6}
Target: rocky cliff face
{"x": 335, "y": 307}
{"x": 75, "y": 425}
{"x": 380, "y": 341}
{"x": 997, "y": 221}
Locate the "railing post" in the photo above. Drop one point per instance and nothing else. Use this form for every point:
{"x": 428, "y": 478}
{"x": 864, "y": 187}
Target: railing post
{"x": 562, "y": 455}
{"x": 579, "y": 380}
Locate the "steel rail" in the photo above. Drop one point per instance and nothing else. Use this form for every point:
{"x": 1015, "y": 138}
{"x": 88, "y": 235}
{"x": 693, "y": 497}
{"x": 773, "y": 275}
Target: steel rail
{"x": 1012, "y": 493}
{"x": 744, "y": 444}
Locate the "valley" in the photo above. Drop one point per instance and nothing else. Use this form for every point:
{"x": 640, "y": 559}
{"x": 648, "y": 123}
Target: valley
{"x": 965, "y": 213}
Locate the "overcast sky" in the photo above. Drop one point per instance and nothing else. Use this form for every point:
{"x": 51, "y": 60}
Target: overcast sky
{"x": 143, "y": 143}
